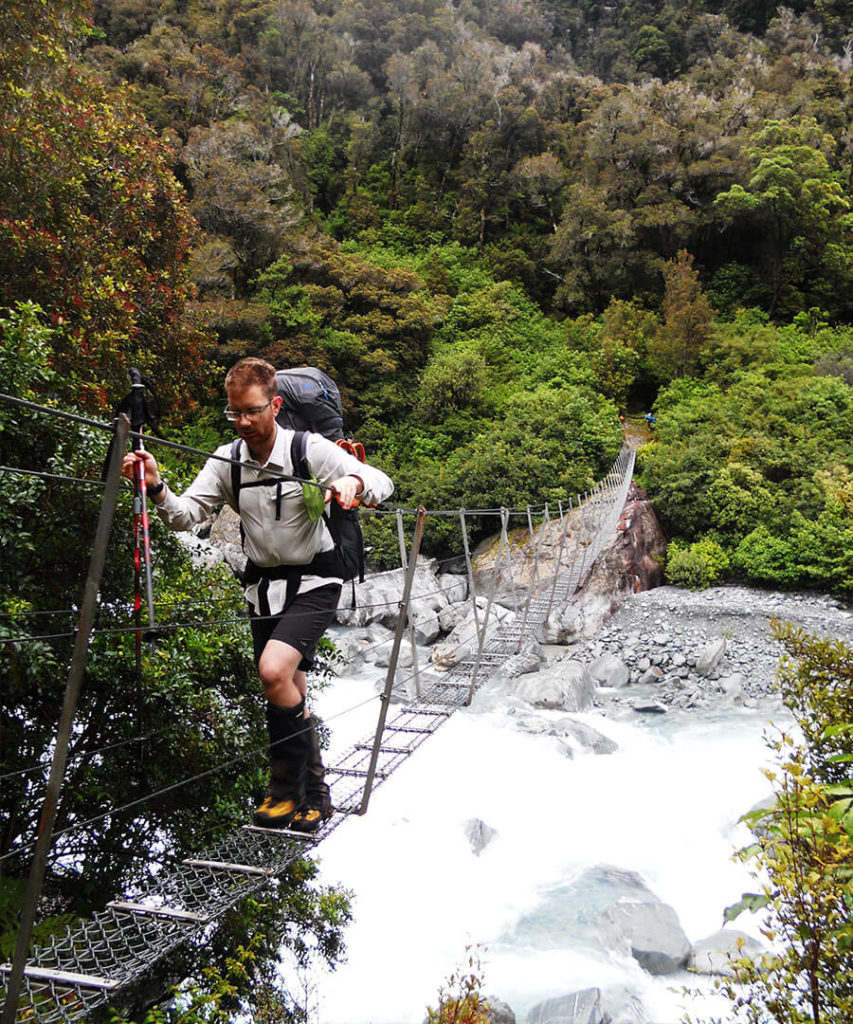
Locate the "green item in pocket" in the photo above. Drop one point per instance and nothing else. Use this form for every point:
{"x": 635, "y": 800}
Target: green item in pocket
{"x": 313, "y": 498}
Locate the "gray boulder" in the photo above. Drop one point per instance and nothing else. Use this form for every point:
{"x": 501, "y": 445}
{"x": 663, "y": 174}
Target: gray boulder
{"x": 462, "y": 639}
{"x": 715, "y": 954}
{"x": 479, "y": 835}
{"x": 585, "y": 737}
{"x": 566, "y": 685}
{"x": 582, "y": 1007}
{"x": 225, "y": 534}
{"x": 610, "y": 671}
{"x": 710, "y": 657}
{"x": 450, "y": 617}
{"x": 652, "y": 932}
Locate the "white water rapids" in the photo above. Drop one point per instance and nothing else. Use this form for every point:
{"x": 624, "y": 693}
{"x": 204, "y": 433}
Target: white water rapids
{"x": 665, "y": 804}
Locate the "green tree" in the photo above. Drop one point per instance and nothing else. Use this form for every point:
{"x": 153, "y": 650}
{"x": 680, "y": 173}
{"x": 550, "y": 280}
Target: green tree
{"x": 93, "y": 226}
{"x": 678, "y": 344}
{"x": 798, "y": 208}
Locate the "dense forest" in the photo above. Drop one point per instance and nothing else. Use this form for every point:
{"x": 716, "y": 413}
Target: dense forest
{"x": 498, "y": 225}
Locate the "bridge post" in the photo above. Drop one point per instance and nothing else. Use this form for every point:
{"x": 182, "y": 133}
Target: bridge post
{"x": 416, "y": 675}
{"x": 385, "y": 697}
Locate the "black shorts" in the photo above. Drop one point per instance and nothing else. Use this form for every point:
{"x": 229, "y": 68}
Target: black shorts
{"x": 301, "y": 624}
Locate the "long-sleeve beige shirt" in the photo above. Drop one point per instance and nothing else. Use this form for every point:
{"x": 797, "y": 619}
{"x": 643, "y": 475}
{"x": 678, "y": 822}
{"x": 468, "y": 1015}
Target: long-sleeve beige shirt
{"x": 276, "y": 525}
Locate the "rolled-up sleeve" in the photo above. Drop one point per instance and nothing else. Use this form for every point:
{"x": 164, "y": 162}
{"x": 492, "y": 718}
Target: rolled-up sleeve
{"x": 210, "y": 489}
{"x": 328, "y": 461}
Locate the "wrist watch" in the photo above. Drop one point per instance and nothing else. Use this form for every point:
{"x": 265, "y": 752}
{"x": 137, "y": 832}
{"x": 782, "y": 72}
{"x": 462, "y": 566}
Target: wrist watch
{"x": 157, "y": 489}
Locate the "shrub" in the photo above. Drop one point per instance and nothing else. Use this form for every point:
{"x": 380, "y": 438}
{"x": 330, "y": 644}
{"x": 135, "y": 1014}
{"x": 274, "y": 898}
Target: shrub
{"x": 696, "y": 566}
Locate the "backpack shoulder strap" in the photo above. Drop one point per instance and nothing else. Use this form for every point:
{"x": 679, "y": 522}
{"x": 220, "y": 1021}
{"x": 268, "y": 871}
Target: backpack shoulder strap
{"x": 298, "y": 451}
{"x": 236, "y": 471}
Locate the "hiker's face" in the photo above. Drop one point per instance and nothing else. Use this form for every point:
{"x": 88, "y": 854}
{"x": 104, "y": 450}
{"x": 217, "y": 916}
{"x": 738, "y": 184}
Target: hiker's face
{"x": 256, "y": 422}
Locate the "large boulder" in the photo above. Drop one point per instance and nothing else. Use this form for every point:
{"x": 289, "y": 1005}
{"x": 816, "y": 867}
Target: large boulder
{"x": 584, "y": 737}
{"x": 582, "y": 1007}
{"x": 652, "y": 932}
{"x": 378, "y": 598}
{"x": 716, "y": 953}
{"x": 462, "y": 640}
{"x": 610, "y": 671}
{"x": 710, "y": 657}
{"x": 225, "y": 535}
{"x": 566, "y": 685}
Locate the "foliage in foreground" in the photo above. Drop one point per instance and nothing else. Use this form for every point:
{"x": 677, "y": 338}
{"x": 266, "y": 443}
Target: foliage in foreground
{"x": 804, "y": 849}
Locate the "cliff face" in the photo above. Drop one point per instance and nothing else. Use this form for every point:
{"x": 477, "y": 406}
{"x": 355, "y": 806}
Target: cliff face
{"x": 629, "y": 562}
{"x": 632, "y": 559}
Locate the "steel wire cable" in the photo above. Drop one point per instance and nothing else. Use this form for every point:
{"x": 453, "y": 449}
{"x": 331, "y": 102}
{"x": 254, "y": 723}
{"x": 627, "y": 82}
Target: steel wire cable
{"x": 271, "y": 474}
{"x": 53, "y": 476}
{"x": 197, "y": 624}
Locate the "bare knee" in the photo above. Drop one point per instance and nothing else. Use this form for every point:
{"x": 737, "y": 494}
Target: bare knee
{"x": 280, "y": 676}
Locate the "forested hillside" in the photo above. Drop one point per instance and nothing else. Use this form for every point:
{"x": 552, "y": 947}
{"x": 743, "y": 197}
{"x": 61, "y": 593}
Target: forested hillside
{"x": 498, "y": 224}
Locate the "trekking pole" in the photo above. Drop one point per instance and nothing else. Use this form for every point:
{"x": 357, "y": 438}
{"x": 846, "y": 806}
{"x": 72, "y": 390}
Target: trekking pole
{"x": 141, "y": 526}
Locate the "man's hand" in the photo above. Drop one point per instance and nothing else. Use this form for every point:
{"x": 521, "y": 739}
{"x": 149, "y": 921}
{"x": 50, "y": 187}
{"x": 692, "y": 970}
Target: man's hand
{"x": 345, "y": 490}
{"x": 152, "y": 473}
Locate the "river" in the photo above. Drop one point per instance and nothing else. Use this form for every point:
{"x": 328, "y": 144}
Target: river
{"x": 665, "y": 804}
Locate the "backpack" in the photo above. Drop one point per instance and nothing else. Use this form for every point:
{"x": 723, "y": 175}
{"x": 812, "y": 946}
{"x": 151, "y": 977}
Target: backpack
{"x": 311, "y": 402}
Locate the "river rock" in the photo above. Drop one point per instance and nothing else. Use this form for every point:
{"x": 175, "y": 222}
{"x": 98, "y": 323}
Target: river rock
{"x": 653, "y": 674}
{"x": 585, "y": 736}
{"x": 652, "y": 932}
{"x": 479, "y": 835}
{"x": 610, "y": 671}
{"x": 714, "y": 954}
{"x": 566, "y": 685}
{"x": 561, "y": 628}
{"x": 710, "y": 657}
{"x": 450, "y": 617}
{"x": 378, "y": 598}
{"x": 462, "y": 640}
{"x": 582, "y": 1007}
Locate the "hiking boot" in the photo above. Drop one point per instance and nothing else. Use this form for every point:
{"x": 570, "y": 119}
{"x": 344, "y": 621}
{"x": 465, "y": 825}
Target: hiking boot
{"x": 316, "y": 808}
{"x": 290, "y": 747}
{"x": 275, "y": 813}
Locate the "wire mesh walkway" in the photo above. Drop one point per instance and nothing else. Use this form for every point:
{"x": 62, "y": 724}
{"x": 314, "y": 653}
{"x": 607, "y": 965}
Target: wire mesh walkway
{"x": 68, "y": 979}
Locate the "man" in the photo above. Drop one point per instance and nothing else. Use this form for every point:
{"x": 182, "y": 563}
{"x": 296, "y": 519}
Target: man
{"x": 293, "y": 578}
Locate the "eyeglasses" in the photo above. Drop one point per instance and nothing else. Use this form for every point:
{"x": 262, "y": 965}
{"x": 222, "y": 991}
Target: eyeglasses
{"x": 232, "y": 415}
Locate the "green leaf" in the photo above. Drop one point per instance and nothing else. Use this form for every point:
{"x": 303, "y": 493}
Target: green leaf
{"x": 313, "y": 498}
{"x": 751, "y": 901}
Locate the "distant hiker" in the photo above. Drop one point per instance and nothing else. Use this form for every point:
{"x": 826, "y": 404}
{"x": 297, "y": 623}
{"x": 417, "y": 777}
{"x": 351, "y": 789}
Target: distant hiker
{"x": 651, "y": 420}
{"x": 294, "y": 573}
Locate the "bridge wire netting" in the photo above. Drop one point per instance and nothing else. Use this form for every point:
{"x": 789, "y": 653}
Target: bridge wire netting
{"x": 70, "y": 976}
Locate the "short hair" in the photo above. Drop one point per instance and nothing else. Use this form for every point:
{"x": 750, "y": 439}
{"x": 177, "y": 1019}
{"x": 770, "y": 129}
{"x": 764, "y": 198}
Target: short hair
{"x": 250, "y": 372}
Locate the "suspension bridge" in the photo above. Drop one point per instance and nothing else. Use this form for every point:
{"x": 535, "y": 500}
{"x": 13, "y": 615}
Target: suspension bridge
{"x": 74, "y": 974}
